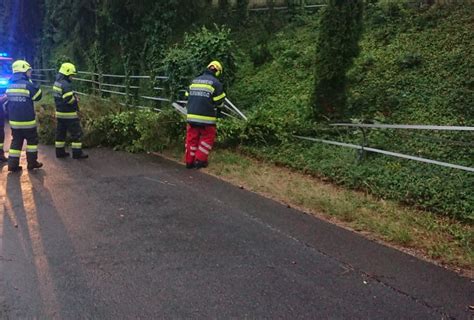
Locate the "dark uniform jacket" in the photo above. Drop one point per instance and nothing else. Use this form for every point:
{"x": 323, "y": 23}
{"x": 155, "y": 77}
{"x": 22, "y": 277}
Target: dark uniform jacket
{"x": 205, "y": 94}
{"x": 3, "y": 101}
{"x": 64, "y": 98}
{"x": 21, "y": 93}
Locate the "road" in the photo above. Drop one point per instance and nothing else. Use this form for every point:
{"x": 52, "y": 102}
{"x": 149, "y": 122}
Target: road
{"x": 135, "y": 236}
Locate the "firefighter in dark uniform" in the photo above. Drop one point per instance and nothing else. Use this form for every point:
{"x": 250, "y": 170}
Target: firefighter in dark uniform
{"x": 21, "y": 93}
{"x": 206, "y": 97}
{"x": 66, "y": 113}
{"x": 3, "y": 100}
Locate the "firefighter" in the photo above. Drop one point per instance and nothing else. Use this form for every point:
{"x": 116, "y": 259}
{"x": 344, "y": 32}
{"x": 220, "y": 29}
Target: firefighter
{"x": 205, "y": 99}
{"x": 3, "y": 100}
{"x": 66, "y": 113}
{"x": 21, "y": 93}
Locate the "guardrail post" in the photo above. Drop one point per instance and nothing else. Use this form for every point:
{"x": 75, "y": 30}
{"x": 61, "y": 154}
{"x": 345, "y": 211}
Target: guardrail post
{"x": 127, "y": 89}
{"x": 361, "y": 153}
{"x": 47, "y": 77}
{"x": 101, "y": 79}
{"x": 95, "y": 83}
{"x": 151, "y": 84}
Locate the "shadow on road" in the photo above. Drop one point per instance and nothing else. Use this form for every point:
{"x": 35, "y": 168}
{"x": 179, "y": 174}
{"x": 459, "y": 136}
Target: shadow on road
{"x": 30, "y": 210}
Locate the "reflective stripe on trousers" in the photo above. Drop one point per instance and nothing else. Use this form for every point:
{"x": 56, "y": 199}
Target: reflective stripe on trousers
{"x": 199, "y": 142}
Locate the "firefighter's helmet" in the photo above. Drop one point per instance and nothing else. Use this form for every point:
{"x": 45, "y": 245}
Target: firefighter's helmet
{"x": 215, "y": 66}
{"x": 68, "y": 69}
{"x": 20, "y": 66}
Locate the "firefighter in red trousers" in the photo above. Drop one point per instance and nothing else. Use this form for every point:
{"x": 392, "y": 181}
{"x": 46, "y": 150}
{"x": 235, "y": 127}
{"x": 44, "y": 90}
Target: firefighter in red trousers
{"x": 206, "y": 96}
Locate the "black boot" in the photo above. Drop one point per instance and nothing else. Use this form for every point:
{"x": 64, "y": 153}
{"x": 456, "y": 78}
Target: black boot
{"x": 79, "y": 155}
{"x": 34, "y": 165}
{"x": 15, "y": 169}
{"x": 61, "y": 153}
{"x": 14, "y": 164}
{"x": 190, "y": 165}
{"x": 200, "y": 164}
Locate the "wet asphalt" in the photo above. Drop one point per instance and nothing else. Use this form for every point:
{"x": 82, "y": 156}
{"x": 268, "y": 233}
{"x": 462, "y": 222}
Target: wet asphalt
{"x": 135, "y": 236}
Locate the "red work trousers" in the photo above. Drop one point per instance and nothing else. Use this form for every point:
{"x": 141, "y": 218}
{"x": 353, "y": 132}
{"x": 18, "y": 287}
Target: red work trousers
{"x": 199, "y": 142}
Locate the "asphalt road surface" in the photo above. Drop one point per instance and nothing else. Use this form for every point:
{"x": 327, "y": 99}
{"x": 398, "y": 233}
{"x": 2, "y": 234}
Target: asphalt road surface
{"x": 124, "y": 236}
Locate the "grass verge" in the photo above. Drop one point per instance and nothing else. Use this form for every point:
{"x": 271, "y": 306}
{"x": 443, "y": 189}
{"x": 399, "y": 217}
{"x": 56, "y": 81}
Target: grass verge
{"x": 443, "y": 241}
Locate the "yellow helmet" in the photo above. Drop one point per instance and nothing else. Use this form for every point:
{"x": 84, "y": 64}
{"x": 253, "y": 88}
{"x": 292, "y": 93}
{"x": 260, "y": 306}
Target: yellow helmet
{"x": 68, "y": 69}
{"x": 20, "y": 66}
{"x": 217, "y": 66}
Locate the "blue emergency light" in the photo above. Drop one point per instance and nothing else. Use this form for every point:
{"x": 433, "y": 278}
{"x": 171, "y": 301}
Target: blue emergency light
{"x": 3, "y": 54}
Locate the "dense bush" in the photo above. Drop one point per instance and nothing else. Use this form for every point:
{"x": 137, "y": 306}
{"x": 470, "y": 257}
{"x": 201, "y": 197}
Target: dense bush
{"x": 135, "y": 131}
{"x": 109, "y": 124}
{"x": 186, "y": 61}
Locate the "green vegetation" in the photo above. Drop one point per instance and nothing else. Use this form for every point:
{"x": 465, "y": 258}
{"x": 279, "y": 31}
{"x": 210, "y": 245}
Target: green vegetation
{"x": 107, "y": 123}
{"x": 183, "y": 62}
{"x": 415, "y": 66}
{"x": 114, "y": 36}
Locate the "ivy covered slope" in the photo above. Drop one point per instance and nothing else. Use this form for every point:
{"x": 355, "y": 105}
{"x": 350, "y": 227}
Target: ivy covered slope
{"x": 415, "y": 67}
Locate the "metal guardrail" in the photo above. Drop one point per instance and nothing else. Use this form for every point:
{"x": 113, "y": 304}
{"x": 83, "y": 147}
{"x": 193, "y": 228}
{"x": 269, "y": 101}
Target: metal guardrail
{"x": 85, "y": 80}
{"x": 89, "y": 73}
{"x": 114, "y": 76}
{"x": 114, "y": 85}
{"x": 103, "y": 86}
{"x": 233, "y": 111}
{"x": 234, "y": 108}
{"x": 390, "y": 153}
{"x": 140, "y": 77}
{"x": 155, "y": 98}
{"x": 279, "y": 8}
{"x": 404, "y": 126}
{"x": 114, "y": 92}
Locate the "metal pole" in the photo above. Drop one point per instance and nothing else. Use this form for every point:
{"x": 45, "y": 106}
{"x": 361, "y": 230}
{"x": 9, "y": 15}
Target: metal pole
{"x": 235, "y": 109}
{"x": 361, "y": 152}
